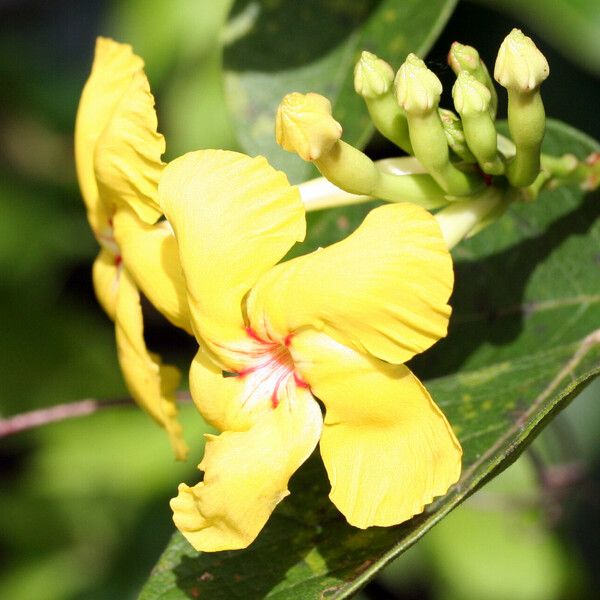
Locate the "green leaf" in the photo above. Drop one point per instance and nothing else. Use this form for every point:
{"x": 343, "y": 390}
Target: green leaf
{"x": 318, "y": 56}
{"x": 524, "y": 558}
{"x": 524, "y": 341}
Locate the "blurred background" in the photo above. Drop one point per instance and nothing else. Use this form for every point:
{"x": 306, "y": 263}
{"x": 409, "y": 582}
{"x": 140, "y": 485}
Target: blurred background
{"x": 84, "y": 504}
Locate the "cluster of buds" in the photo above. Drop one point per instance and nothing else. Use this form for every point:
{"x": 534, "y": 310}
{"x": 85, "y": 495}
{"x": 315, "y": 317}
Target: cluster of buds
{"x": 461, "y": 157}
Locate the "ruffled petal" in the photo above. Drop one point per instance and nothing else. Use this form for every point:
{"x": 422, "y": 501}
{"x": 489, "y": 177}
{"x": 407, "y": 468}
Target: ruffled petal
{"x": 246, "y": 474}
{"x": 114, "y": 66}
{"x": 105, "y": 276}
{"x": 384, "y": 289}
{"x": 234, "y": 217}
{"x": 151, "y": 256}
{"x": 127, "y": 159}
{"x": 151, "y": 384}
{"x": 387, "y": 447}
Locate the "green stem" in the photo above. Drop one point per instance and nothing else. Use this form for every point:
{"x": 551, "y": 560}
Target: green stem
{"x": 431, "y": 149}
{"x": 526, "y": 122}
{"x": 481, "y": 137}
{"x": 354, "y": 172}
{"x": 390, "y": 120}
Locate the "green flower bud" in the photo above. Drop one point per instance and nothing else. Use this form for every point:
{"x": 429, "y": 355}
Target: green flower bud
{"x": 466, "y": 58}
{"x": 520, "y": 65}
{"x": 521, "y": 68}
{"x": 418, "y": 92}
{"x": 455, "y": 135}
{"x": 463, "y": 58}
{"x": 373, "y": 77}
{"x": 304, "y": 125}
{"x": 470, "y": 97}
{"x": 373, "y": 80}
{"x": 472, "y": 101}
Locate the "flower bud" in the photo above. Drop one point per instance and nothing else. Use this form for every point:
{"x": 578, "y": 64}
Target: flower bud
{"x": 304, "y": 125}
{"x": 520, "y": 65}
{"x": 472, "y": 101}
{"x": 466, "y": 58}
{"x": 463, "y": 58}
{"x": 373, "y": 77}
{"x": 455, "y": 135}
{"x": 521, "y": 68}
{"x": 373, "y": 80}
{"x": 418, "y": 90}
{"x": 470, "y": 97}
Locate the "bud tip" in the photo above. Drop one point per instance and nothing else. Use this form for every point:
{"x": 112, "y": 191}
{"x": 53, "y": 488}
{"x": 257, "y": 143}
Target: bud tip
{"x": 304, "y": 124}
{"x": 373, "y": 77}
{"x": 418, "y": 89}
{"x": 520, "y": 65}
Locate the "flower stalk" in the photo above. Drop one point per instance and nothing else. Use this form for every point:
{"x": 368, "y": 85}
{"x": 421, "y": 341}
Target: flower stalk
{"x": 306, "y": 126}
{"x": 521, "y": 68}
{"x": 373, "y": 80}
{"x": 472, "y": 101}
{"x": 418, "y": 92}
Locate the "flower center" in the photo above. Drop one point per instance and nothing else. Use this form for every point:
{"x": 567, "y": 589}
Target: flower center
{"x": 271, "y": 369}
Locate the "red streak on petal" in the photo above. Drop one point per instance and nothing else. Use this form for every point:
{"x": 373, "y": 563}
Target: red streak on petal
{"x": 275, "y": 397}
{"x": 300, "y": 382}
{"x": 253, "y": 335}
{"x": 249, "y": 370}
{"x": 273, "y": 363}
{"x": 118, "y": 260}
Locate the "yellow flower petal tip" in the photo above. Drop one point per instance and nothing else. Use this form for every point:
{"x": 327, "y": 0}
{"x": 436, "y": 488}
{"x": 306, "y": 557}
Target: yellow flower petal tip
{"x": 520, "y": 65}
{"x": 305, "y": 125}
{"x": 373, "y": 77}
{"x": 418, "y": 89}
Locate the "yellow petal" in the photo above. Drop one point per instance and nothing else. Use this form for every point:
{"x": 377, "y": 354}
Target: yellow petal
{"x": 383, "y": 289}
{"x": 387, "y": 447}
{"x": 127, "y": 155}
{"x": 150, "y": 255}
{"x": 234, "y": 217}
{"x": 246, "y": 474}
{"x": 221, "y": 399}
{"x": 151, "y": 384}
{"x": 105, "y": 276}
{"x": 112, "y": 72}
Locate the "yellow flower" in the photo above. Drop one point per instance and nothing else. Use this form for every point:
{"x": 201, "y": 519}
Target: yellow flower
{"x": 117, "y": 151}
{"x": 335, "y": 325}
